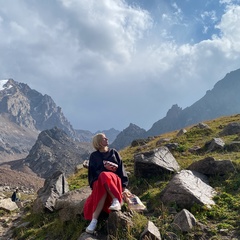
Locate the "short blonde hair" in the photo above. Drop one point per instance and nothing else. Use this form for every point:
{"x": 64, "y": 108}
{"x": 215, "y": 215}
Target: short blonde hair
{"x": 97, "y": 139}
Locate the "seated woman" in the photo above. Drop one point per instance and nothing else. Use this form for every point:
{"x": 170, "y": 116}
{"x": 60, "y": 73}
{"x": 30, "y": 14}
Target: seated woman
{"x": 107, "y": 179}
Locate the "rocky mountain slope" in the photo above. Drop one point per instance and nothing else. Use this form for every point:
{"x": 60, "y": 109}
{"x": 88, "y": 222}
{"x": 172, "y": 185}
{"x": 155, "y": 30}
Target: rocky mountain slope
{"x": 55, "y": 150}
{"x": 15, "y": 140}
{"x": 25, "y": 179}
{"x": 29, "y": 108}
{"x": 24, "y": 113}
{"x": 222, "y": 100}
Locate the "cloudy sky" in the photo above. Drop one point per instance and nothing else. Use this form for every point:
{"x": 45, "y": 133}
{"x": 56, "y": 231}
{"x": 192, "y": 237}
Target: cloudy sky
{"x": 109, "y": 63}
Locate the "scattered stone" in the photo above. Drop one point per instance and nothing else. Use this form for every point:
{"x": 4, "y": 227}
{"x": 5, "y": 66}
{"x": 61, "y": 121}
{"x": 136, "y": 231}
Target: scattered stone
{"x": 172, "y": 146}
{"x": 184, "y": 221}
{"x": 202, "y": 126}
{"x": 150, "y": 232}
{"x": 214, "y": 145}
{"x": 181, "y": 132}
{"x": 161, "y": 141}
{"x": 139, "y": 142}
{"x": 233, "y": 146}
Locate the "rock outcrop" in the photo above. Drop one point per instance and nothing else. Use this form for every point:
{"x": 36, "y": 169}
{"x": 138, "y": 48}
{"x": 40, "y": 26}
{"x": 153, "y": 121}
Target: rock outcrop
{"x": 53, "y": 151}
{"x": 54, "y": 187}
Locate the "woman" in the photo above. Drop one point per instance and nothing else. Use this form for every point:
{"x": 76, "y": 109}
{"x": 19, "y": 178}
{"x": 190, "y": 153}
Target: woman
{"x": 107, "y": 179}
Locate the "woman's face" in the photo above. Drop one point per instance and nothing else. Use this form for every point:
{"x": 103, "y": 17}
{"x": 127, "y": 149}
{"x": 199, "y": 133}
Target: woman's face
{"x": 104, "y": 141}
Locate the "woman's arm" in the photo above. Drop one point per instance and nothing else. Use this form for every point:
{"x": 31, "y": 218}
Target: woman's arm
{"x": 121, "y": 170}
{"x": 95, "y": 167}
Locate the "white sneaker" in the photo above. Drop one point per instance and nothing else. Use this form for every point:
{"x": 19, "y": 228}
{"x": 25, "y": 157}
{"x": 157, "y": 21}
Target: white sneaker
{"x": 92, "y": 226}
{"x": 116, "y": 206}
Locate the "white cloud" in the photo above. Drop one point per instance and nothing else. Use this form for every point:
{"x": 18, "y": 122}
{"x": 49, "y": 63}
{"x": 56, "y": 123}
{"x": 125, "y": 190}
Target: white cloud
{"x": 229, "y": 27}
{"x": 107, "y": 63}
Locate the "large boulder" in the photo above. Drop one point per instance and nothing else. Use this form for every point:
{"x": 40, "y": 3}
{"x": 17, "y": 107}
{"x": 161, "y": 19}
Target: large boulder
{"x": 118, "y": 225}
{"x": 53, "y": 188}
{"x": 210, "y": 167}
{"x": 70, "y": 204}
{"x": 8, "y": 205}
{"x": 231, "y": 129}
{"x": 233, "y": 146}
{"x": 188, "y": 188}
{"x": 155, "y": 162}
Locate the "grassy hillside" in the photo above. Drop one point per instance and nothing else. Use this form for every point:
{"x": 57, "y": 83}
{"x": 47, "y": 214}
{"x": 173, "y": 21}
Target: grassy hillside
{"x": 222, "y": 220}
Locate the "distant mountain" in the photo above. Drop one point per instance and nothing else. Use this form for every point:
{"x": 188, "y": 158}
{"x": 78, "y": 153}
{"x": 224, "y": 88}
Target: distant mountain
{"x": 111, "y": 134}
{"x": 222, "y": 100}
{"x": 125, "y": 137}
{"x": 86, "y": 136}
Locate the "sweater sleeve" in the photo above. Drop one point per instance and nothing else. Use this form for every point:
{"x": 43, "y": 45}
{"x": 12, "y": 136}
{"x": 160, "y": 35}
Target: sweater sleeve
{"x": 95, "y": 167}
{"x": 121, "y": 170}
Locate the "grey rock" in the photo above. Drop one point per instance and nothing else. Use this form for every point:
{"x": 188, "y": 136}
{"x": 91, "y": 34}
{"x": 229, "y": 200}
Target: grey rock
{"x": 70, "y": 205}
{"x": 87, "y": 236}
{"x": 118, "y": 224}
{"x": 202, "y": 126}
{"x": 155, "y": 162}
{"x": 214, "y": 145}
{"x": 210, "y": 166}
{"x": 53, "y": 188}
{"x": 232, "y": 146}
{"x": 231, "y": 129}
{"x": 184, "y": 221}
{"x": 181, "y": 132}
{"x": 150, "y": 232}
{"x": 8, "y": 205}
{"x": 188, "y": 188}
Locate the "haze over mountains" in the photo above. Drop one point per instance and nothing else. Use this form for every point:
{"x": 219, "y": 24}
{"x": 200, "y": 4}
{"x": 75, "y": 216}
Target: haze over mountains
{"x": 222, "y": 100}
{"x": 32, "y": 127}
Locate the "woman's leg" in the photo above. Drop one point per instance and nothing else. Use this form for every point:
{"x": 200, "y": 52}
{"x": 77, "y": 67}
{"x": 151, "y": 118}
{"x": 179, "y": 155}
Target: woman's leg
{"x": 93, "y": 224}
{"x": 99, "y": 207}
{"x": 108, "y": 190}
{"x": 115, "y": 202}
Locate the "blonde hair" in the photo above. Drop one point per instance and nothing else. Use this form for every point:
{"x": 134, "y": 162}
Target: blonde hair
{"x": 97, "y": 139}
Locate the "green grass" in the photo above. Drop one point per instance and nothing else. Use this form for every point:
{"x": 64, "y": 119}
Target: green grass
{"x": 220, "y": 219}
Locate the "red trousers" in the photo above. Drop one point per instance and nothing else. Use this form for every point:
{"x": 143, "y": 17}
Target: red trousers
{"x": 115, "y": 185}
